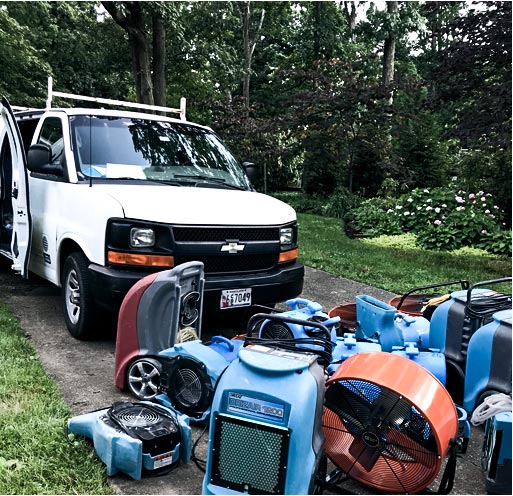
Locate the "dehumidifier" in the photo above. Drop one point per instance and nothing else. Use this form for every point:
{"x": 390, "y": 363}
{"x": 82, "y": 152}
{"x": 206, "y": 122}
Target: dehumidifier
{"x": 265, "y": 424}
{"x": 153, "y": 315}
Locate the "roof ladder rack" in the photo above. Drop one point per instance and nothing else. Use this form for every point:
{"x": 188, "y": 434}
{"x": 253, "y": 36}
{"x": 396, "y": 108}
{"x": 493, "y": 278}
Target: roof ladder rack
{"x": 107, "y": 101}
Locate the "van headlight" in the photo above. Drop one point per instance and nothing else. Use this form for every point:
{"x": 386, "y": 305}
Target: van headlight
{"x": 142, "y": 237}
{"x": 286, "y": 235}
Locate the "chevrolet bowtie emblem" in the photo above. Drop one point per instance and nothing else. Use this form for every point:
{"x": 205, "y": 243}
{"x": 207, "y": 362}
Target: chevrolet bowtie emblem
{"x": 232, "y": 247}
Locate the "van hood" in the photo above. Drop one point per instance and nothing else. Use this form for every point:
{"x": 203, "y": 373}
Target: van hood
{"x": 197, "y": 205}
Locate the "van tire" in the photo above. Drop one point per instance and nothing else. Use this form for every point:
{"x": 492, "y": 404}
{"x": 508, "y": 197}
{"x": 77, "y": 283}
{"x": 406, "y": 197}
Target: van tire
{"x": 77, "y": 296}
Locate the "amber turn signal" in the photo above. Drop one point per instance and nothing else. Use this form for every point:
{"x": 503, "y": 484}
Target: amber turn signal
{"x": 140, "y": 259}
{"x": 287, "y": 256}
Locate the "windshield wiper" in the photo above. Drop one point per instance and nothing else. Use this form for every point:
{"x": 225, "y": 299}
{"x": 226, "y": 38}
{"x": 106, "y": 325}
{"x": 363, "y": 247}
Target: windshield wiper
{"x": 217, "y": 180}
{"x": 149, "y": 180}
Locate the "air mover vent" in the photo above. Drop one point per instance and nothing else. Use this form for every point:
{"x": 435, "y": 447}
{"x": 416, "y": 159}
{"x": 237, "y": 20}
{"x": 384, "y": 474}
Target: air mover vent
{"x": 275, "y": 330}
{"x": 248, "y": 456}
{"x": 187, "y": 384}
{"x": 155, "y": 427}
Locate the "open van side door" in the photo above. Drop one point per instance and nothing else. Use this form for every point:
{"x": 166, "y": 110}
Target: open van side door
{"x": 22, "y": 222}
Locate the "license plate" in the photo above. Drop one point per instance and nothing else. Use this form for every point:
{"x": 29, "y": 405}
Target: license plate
{"x": 235, "y": 298}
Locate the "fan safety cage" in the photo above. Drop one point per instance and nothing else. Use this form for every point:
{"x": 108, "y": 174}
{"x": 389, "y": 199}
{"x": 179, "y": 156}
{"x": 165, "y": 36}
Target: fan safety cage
{"x": 249, "y": 457}
{"x": 158, "y": 433}
{"x": 188, "y": 385}
{"x": 387, "y": 422}
{"x": 274, "y": 330}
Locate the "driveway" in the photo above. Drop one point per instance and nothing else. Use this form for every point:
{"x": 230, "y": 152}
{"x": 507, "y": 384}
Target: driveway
{"x": 84, "y": 371}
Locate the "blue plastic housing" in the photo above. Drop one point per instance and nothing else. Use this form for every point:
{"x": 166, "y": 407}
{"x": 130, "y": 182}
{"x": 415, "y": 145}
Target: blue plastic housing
{"x": 347, "y": 346}
{"x": 266, "y": 392}
{"x": 449, "y": 332}
{"x": 377, "y": 319}
{"x": 489, "y": 359}
{"x": 214, "y": 357}
{"x": 431, "y": 360}
{"x": 302, "y": 309}
{"x": 123, "y": 453}
{"x": 497, "y": 453}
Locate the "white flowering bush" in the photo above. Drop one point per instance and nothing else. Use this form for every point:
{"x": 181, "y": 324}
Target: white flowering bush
{"x": 444, "y": 219}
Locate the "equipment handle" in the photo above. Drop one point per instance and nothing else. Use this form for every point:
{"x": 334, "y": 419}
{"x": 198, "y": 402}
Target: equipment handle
{"x": 463, "y": 283}
{"x": 223, "y": 340}
{"x": 484, "y": 283}
{"x": 311, "y": 305}
{"x": 326, "y": 323}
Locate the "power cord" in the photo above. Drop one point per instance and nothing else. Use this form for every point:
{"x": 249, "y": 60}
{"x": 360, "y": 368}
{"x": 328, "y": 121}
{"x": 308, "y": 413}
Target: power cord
{"x": 492, "y": 405}
{"x": 485, "y": 305}
{"x": 319, "y": 346}
{"x": 201, "y": 464}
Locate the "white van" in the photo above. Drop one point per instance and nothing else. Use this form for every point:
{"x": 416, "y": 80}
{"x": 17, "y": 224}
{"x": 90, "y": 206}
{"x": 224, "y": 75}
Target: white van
{"x": 93, "y": 200}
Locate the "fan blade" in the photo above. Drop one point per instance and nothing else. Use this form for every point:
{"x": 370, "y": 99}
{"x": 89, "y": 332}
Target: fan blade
{"x": 350, "y": 405}
{"x": 389, "y": 410}
{"x": 364, "y": 454}
{"x": 402, "y": 447}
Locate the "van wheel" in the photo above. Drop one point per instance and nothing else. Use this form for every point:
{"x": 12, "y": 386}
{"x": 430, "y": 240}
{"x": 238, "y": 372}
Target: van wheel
{"x": 79, "y": 307}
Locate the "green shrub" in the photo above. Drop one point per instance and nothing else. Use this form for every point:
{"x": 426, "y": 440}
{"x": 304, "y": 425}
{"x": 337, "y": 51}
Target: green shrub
{"x": 497, "y": 242}
{"x": 340, "y": 203}
{"x": 444, "y": 220}
{"x": 335, "y": 205}
{"x": 370, "y": 218}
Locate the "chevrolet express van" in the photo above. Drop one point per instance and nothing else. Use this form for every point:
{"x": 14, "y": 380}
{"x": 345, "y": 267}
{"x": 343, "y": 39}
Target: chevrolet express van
{"x": 93, "y": 200}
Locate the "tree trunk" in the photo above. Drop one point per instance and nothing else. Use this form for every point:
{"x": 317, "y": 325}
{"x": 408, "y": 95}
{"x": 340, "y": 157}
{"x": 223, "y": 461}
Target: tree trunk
{"x": 130, "y": 17}
{"x": 159, "y": 60}
{"x": 389, "y": 56}
{"x": 246, "y": 70}
{"x": 350, "y": 17}
{"x": 249, "y": 41}
{"x": 141, "y": 67}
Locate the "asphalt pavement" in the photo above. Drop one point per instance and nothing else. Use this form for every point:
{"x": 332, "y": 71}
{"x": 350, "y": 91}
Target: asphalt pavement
{"x": 84, "y": 370}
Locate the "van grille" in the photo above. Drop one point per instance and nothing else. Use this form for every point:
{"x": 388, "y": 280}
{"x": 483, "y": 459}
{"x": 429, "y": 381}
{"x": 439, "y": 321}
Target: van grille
{"x": 221, "y": 234}
{"x": 232, "y": 263}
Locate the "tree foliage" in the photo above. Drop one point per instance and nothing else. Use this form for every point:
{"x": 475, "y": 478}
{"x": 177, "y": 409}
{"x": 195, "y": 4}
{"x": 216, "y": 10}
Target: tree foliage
{"x": 301, "y": 88}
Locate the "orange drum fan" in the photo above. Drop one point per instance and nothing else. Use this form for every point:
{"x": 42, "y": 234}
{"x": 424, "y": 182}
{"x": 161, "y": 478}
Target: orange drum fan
{"x": 388, "y": 422}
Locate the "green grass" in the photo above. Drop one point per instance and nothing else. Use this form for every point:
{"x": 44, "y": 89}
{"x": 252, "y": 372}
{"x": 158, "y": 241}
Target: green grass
{"x": 35, "y": 456}
{"x": 393, "y": 263}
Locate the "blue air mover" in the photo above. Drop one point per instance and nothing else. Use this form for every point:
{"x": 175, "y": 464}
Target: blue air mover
{"x": 379, "y": 320}
{"x": 455, "y": 321}
{"x": 190, "y": 372}
{"x": 489, "y": 360}
{"x": 347, "y": 346}
{"x": 301, "y": 309}
{"x": 265, "y": 426}
{"x": 136, "y": 437}
{"x": 496, "y": 459}
{"x": 312, "y": 336}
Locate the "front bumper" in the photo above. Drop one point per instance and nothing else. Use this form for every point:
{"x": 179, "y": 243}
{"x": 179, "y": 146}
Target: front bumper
{"x": 110, "y": 285}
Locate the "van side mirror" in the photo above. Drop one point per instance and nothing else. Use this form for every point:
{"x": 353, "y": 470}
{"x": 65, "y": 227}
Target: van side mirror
{"x": 251, "y": 170}
{"x": 38, "y": 160}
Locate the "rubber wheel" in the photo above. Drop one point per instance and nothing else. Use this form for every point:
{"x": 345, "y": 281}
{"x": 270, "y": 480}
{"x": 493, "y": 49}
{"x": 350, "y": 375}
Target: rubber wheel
{"x": 78, "y": 301}
{"x": 143, "y": 378}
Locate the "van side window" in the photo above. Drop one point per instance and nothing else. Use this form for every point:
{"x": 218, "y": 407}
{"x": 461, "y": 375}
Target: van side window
{"x": 52, "y": 135}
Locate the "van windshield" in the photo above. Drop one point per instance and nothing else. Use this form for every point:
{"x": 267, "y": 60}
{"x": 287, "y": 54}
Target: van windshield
{"x": 127, "y": 148}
